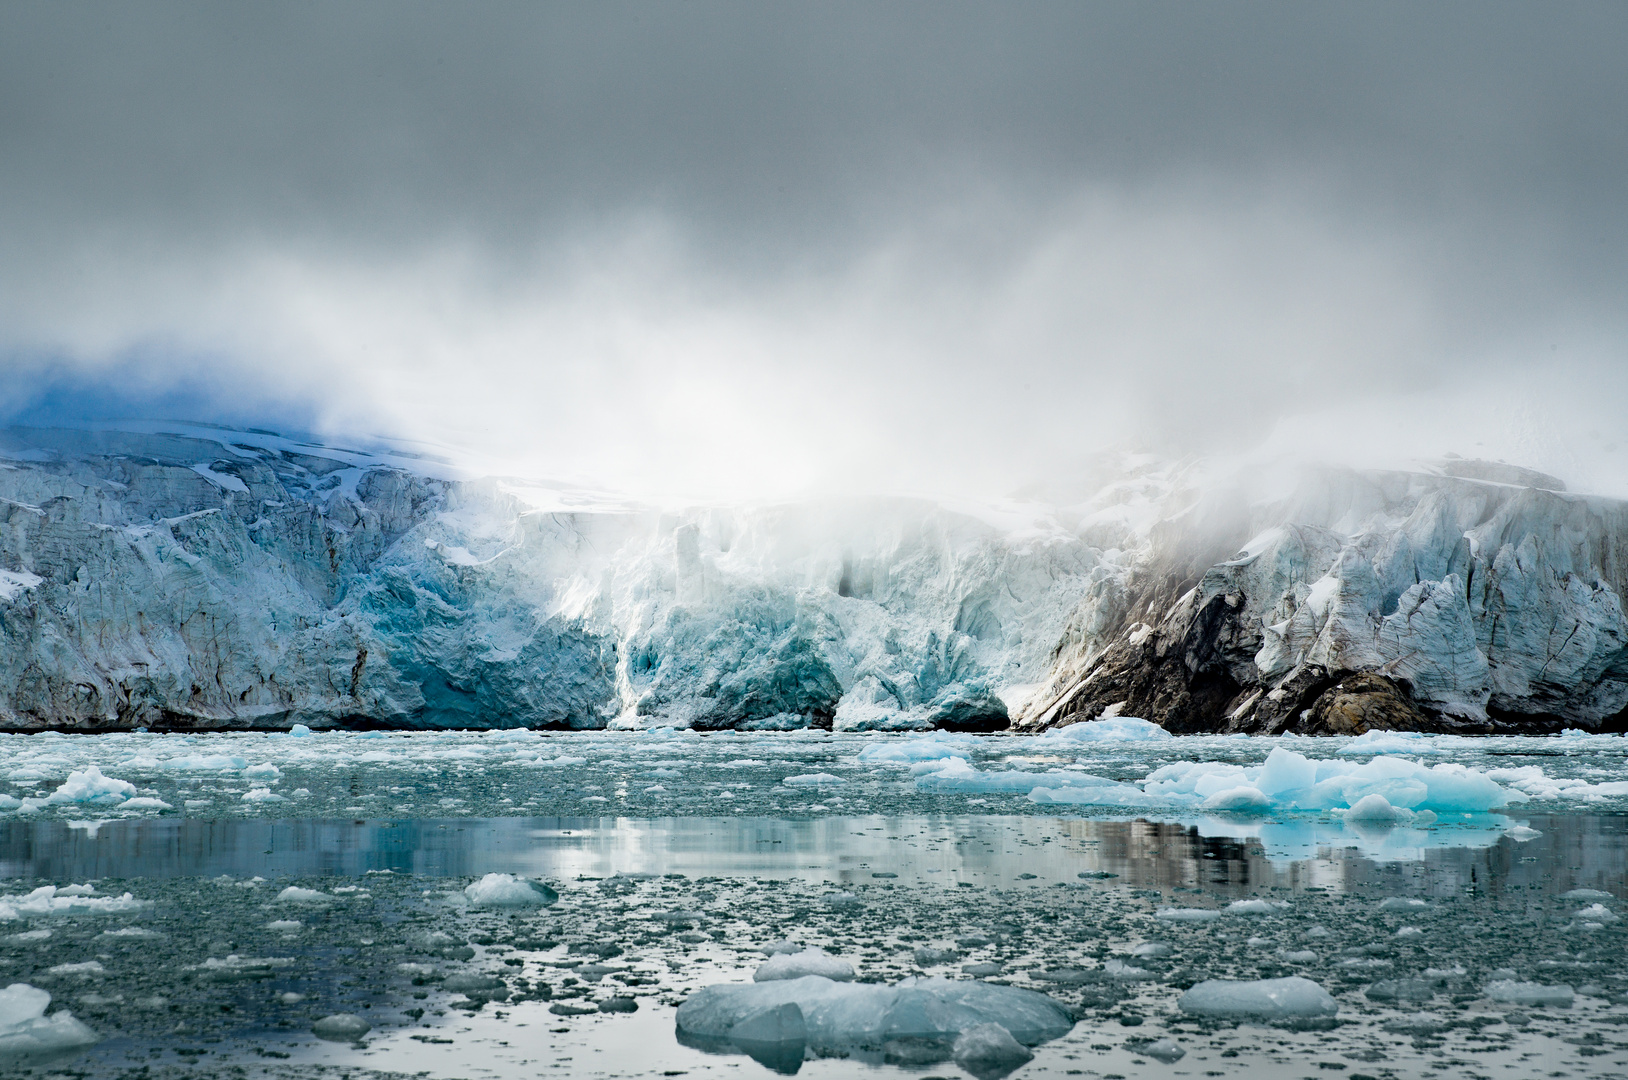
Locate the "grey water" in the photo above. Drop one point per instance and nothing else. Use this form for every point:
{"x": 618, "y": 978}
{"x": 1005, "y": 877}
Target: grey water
{"x": 1041, "y": 902}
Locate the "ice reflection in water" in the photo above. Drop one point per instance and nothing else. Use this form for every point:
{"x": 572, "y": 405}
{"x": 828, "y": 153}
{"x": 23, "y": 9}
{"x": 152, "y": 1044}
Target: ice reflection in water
{"x": 1057, "y": 905}
{"x": 1216, "y": 853}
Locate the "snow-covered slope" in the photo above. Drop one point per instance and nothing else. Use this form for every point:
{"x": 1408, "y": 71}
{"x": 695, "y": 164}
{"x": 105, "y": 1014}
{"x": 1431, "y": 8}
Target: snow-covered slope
{"x": 225, "y": 579}
{"x": 194, "y": 577}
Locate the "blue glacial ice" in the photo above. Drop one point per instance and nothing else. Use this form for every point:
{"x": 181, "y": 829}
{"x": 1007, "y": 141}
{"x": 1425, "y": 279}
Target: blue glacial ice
{"x": 833, "y": 1016}
{"x": 26, "y": 1033}
{"x": 1293, "y": 998}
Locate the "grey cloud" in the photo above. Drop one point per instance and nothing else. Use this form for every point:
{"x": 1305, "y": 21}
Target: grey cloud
{"x": 902, "y": 224}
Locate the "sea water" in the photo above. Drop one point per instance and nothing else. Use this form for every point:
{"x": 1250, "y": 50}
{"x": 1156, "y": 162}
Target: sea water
{"x": 522, "y": 904}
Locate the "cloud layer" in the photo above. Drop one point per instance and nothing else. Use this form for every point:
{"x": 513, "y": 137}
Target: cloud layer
{"x": 713, "y": 248}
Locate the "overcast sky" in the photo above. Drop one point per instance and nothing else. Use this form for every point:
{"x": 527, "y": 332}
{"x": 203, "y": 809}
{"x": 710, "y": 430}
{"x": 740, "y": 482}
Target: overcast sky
{"x": 724, "y": 248}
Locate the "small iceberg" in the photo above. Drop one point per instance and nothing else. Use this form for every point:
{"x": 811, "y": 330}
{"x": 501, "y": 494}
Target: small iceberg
{"x": 775, "y": 1022}
{"x": 1292, "y": 998}
{"x": 508, "y": 891}
{"x": 811, "y": 961}
{"x": 27, "y": 1034}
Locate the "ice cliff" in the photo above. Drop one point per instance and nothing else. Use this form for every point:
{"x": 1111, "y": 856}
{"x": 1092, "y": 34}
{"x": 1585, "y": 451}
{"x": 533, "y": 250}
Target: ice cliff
{"x": 1472, "y": 596}
{"x": 187, "y": 577}
{"x": 216, "y": 579}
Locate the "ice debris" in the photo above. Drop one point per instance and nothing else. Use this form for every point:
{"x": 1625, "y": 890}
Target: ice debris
{"x": 811, "y": 961}
{"x": 1267, "y": 999}
{"x": 341, "y": 1027}
{"x": 1164, "y": 1049}
{"x": 1187, "y": 914}
{"x": 988, "y": 1050}
{"x": 832, "y": 1016}
{"x": 26, "y": 1032}
{"x": 508, "y": 891}
{"x": 1513, "y": 992}
{"x": 50, "y": 900}
{"x": 1110, "y": 729}
{"x": 296, "y": 895}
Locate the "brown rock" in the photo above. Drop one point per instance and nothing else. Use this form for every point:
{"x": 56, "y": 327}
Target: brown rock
{"x": 1364, "y": 702}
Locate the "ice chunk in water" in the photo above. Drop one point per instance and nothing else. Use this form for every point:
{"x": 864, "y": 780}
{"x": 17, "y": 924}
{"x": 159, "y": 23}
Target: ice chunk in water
{"x": 1377, "y": 810}
{"x": 1164, "y": 1050}
{"x": 811, "y": 961}
{"x": 1257, "y": 907}
{"x": 1595, "y": 913}
{"x": 341, "y": 1027}
{"x": 1267, "y": 999}
{"x": 1419, "y": 1023}
{"x": 955, "y": 776}
{"x": 1586, "y": 894}
{"x": 1402, "y": 903}
{"x": 819, "y": 779}
{"x": 26, "y": 1032}
{"x": 1529, "y": 993}
{"x": 1188, "y": 914}
{"x": 91, "y": 788}
{"x": 907, "y": 751}
{"x": 508, "y": 891}
{"x": 1111, "y": 729}
{"x": 988, "y": 1051}
{"x": 296, "y": 895}
{"x": 50, "y": 900}
{"x": 837, "y": 1015}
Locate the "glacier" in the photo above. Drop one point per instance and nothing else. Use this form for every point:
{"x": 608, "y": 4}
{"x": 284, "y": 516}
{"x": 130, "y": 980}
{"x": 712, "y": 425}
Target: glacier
{"x": 182, "y": 577}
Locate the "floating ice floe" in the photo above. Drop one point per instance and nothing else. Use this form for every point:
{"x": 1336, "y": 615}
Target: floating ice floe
{"x": 795, "y": 965}
{"x": 508, "y": 891}
{"x": 988, "y": 1050}
{"x": 1403, "y": 903}
{"x": 1586, "y": 894}
{"x": 294, "y": 894}
{"x": 1375, "y": 809}
{"x": 1110, "y": 729}
{"x": 341, "y": 1027}
{"x": 918, "y": 748}
{"x": 27, "y": 1033}
{"x": 1395, "y": 742}
{"x": 828, "y": 1016}
{"x": 1292, "y": 998}
{"x": 235, "y": 968}
{"x": 1187, "y": 914}
{"x": 955, "y": 775}
{"x": 1164, "y": 1049}
{"x": 1533, "y": 994}
{"x": 819, "y": 779}
{"x": 51, "y": 900}
{"x": 1388, "y": 789}
{"x": 90, "y": 788}
{"x": 1257, "y": 907}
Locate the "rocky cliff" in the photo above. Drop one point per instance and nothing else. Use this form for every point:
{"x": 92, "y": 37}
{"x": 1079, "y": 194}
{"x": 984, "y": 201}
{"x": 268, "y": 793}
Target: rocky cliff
{"x": 214, "y": 579}
{"x": 1474, "y": 596}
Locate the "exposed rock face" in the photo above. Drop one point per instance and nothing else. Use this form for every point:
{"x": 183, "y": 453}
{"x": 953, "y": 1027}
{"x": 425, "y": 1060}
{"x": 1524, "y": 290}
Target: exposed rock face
{"x": 235, "y": 581}
{"x": 1368, "y": 600}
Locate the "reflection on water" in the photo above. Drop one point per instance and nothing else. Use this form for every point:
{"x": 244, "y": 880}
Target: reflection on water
{"x": 213, "y": 965}
{"x": 1553, "y": 852}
